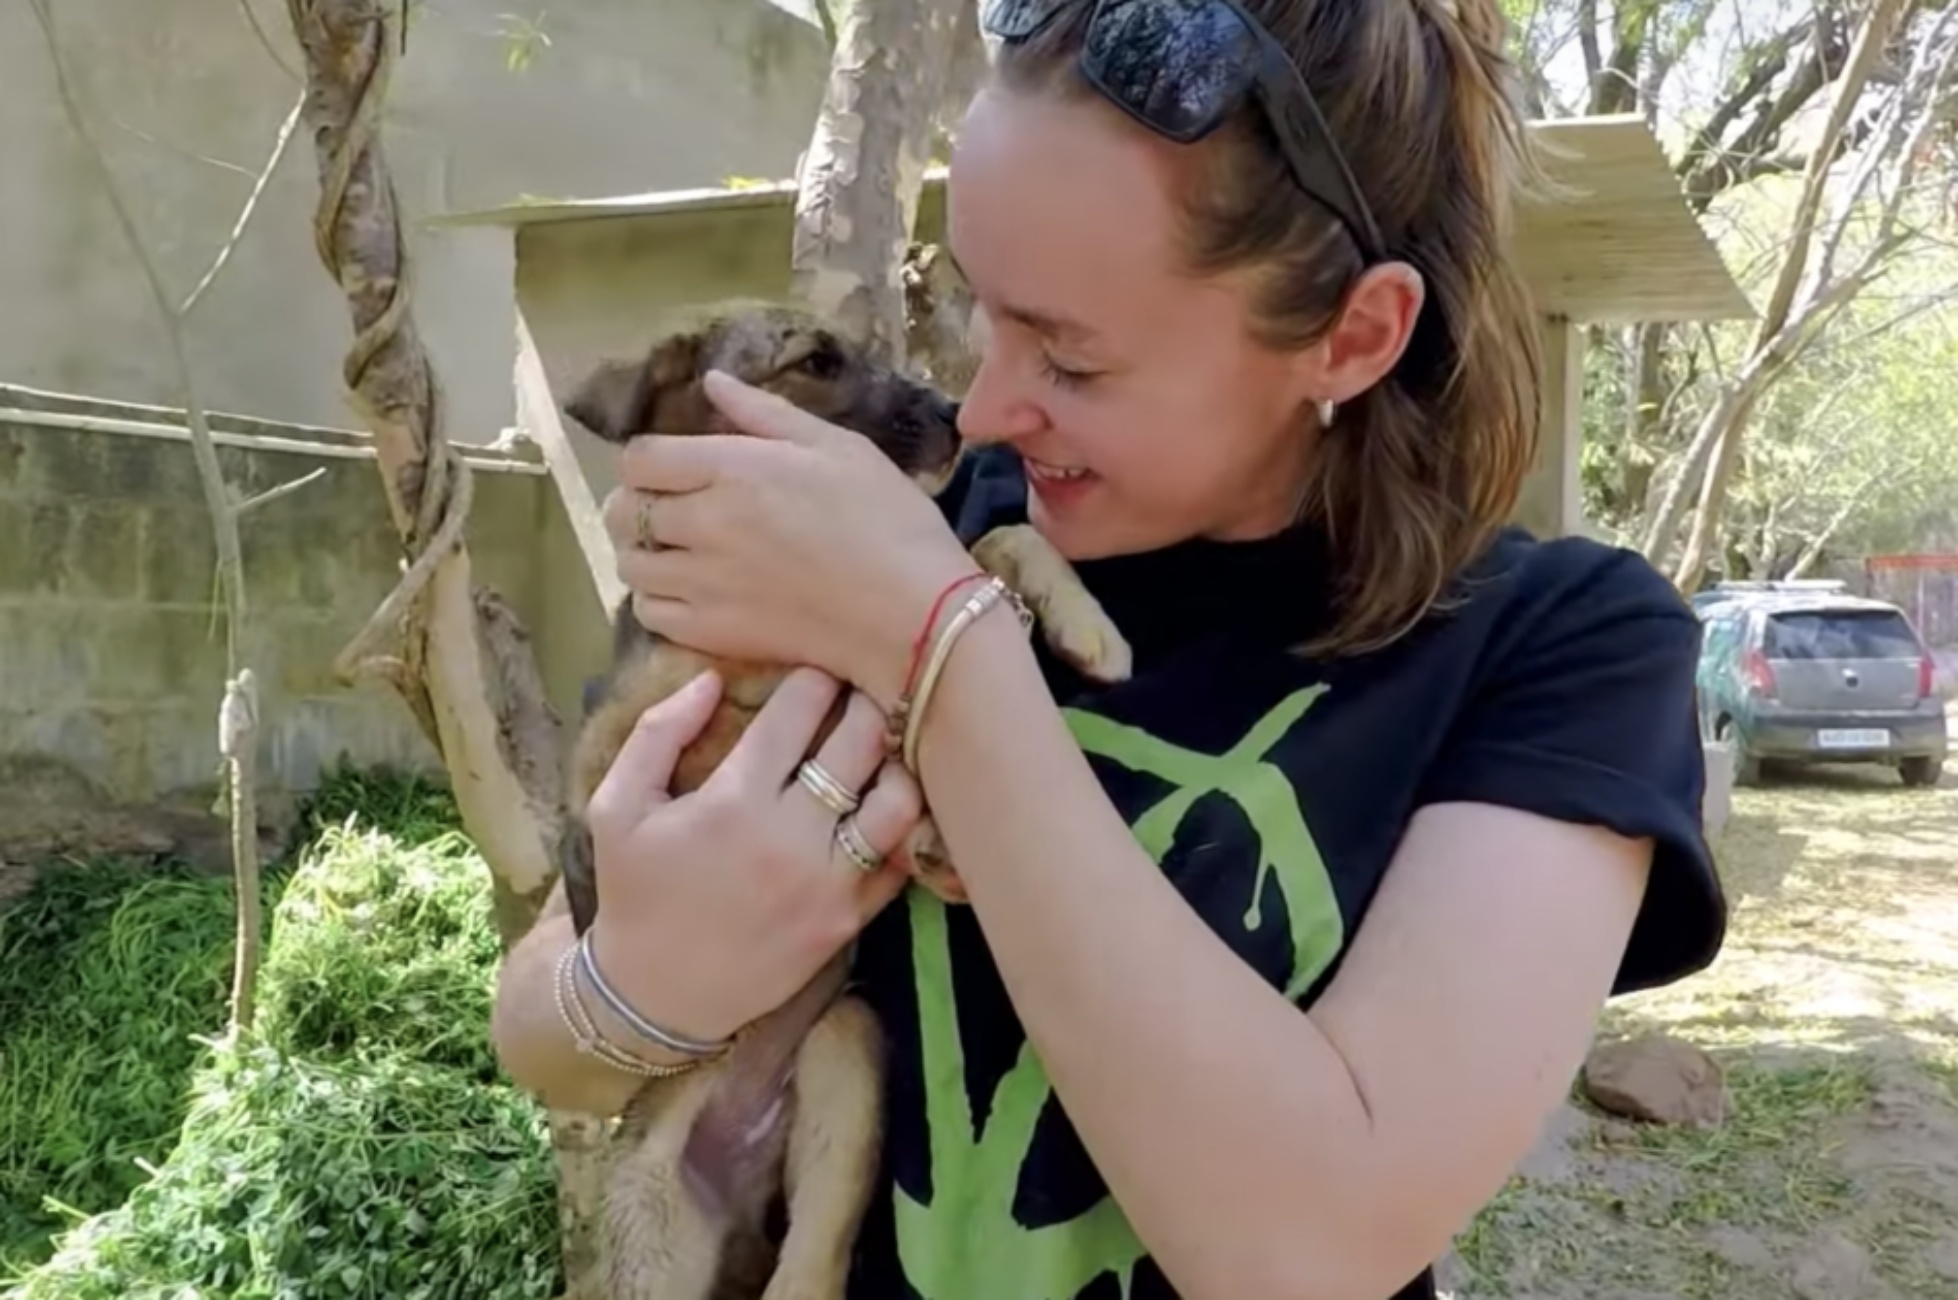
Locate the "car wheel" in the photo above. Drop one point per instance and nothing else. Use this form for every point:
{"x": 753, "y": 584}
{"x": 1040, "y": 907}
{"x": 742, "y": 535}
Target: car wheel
{"x": 1920, "y": 771}
{"x": 1747, "y": 768}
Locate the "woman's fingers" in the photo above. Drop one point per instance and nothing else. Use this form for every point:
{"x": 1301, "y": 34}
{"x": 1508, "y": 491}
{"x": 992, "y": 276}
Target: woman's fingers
{"x": 891, "y": 807}
{"x": 762, "y": 414}
{"x": 640, "y": 775}
{"x": 654, "y": 523}
{"x": 850, "y": 756}
{"x": 657, "y": 575}
{"x": 675, "y": 463}
{"x": 765, "y": 757}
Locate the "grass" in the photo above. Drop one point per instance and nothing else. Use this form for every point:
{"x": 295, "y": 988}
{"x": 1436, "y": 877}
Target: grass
{"x": 1834, "y": 1010}
{"x": 106, "y": 973}
{"x": 360, "y": 1143}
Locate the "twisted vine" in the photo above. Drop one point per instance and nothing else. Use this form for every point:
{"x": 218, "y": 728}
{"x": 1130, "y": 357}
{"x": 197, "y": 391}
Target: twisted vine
{"x": 386, "y": 370}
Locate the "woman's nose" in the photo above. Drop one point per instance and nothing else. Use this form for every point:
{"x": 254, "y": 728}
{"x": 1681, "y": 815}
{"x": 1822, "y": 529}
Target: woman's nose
{"x": 992, "y": 412}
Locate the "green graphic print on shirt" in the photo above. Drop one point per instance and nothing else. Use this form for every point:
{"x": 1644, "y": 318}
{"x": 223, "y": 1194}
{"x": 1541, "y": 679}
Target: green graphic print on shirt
{"x": 966, "y": 1245}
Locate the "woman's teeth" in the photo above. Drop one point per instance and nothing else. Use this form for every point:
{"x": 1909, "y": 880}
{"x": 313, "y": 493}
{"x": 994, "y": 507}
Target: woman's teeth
{"x": 1039, "y": 470}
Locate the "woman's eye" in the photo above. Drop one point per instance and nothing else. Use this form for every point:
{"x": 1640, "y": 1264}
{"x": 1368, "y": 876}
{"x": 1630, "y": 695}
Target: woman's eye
{"x": 1062, "y": 376}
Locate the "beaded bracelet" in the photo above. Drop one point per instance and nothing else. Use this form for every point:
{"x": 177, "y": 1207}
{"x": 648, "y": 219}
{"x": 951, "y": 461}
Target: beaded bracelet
{"x": 585, "y": 1033}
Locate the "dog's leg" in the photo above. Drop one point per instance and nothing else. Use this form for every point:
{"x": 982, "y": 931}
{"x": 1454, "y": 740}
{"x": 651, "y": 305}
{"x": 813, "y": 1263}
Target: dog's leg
{"x": 835, "y": 1140}
{"x": 1072, "y": 621}
{"x": 658, "y": 1241}
{"x": 927, "y": 851}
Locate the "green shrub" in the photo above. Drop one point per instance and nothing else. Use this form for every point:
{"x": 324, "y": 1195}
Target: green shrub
{"x": 298, "y": 1180}
{"x": 107, "y": 970}
{"x": 361, "y": 1143}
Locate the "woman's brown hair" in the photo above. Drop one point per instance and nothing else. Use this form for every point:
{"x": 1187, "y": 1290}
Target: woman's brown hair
{"x": 1416, "y": 475}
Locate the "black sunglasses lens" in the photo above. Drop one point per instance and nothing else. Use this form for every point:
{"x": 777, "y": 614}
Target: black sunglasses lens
{"x": 1015, "y": 20}
{"x": 1179, "y": 65}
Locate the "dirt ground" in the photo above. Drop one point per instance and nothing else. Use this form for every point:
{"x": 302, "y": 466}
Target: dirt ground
{"x": 1834, "y": 1009}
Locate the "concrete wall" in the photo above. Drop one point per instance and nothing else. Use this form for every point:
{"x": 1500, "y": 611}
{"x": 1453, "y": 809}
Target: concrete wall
{"x": 630, "y": 95}
{"x": 112, "y": 664}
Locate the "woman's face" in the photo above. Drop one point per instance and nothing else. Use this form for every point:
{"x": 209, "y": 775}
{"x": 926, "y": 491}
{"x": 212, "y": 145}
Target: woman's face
{"x": 1144, "y": 411}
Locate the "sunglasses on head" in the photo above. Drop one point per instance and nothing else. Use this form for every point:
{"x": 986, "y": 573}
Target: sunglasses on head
{"x": 1182, "y": 67}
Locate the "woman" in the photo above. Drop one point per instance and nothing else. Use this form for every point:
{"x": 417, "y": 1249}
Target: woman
{"x": 1280, "y": 952}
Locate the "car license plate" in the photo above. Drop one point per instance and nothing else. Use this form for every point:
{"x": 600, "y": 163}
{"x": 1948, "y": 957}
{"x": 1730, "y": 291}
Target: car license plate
{"x": 1852, "y": 738}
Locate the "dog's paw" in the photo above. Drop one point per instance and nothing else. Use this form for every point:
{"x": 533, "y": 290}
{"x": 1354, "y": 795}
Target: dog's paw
{"x": 1072, "y": 621}
{"x": 931, "y": 864}
{"x": 1081, "y": 633}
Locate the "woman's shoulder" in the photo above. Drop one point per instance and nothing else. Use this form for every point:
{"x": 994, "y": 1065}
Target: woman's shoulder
{"x": 1572, "y": 607}
{"x": 1574, "y": 579}
{"x": 1578, "y": 704}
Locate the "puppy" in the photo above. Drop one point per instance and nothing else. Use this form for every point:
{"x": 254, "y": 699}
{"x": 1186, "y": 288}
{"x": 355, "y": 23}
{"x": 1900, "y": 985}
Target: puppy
{"x": 794, "y": 1110}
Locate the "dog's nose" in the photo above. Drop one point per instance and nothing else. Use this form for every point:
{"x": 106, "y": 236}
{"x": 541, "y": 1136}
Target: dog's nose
{"x": 945, "y": 409}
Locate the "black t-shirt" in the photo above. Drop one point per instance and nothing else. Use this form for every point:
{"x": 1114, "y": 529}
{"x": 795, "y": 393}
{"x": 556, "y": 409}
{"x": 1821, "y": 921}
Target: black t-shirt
{"x": 1273, "y": 790}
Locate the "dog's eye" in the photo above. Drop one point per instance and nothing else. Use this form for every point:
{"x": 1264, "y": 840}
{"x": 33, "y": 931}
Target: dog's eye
{"x": 825, "y": 360}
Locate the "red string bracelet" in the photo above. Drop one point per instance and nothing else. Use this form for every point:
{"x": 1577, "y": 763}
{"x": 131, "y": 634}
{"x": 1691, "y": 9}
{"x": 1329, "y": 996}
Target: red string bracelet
{"x": 894, "y": 730}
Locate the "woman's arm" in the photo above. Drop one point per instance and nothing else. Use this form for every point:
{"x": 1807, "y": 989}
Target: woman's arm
{"x": 1325, "y": 1156}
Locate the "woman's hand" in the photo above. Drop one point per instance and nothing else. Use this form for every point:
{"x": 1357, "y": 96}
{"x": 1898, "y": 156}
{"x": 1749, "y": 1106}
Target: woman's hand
{"x": 719, "y": 905}
{"x": 800, "y": 543}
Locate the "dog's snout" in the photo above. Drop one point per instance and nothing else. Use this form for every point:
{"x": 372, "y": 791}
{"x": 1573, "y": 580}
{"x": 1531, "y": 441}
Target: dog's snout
{"x": 945, "y": 410}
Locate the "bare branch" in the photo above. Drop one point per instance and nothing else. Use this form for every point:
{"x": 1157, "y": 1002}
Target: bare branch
{"x": 246, "y": 212}
{"x": 216, "y": 499}
{"x": 270, "y": 495}
{"x": 182, "y": 152}
{"x": 265, "y": 39}
{"x": 238, "y": 713}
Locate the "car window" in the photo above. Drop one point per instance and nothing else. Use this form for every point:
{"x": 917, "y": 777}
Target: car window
{"x": 1840, "y": 634}
{"x": 1721, "y": 631}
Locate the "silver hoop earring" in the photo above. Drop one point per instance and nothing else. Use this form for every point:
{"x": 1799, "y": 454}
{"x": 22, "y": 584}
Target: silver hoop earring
{"x": 1326, "y": 409}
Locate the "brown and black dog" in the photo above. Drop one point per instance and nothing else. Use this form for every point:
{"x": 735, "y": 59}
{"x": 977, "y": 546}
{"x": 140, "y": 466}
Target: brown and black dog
{"x": 794, "y": 1109}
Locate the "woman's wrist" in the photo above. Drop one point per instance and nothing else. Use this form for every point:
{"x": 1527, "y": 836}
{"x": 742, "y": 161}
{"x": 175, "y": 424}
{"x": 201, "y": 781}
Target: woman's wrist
{"x": 647, "y": 996}
{"x": 920, "y": 605}
{"x": 985, "y": 645}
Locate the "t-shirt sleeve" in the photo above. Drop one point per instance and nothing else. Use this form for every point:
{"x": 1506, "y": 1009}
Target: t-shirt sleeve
{"x": 1584, "y": 711}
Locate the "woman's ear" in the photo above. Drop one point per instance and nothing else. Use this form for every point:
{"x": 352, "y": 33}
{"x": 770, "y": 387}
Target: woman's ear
{"x": 1370, "y": 333}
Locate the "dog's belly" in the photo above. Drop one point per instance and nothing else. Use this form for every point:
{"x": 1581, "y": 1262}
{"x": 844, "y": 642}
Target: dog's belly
{"x": 735, "y": 1150}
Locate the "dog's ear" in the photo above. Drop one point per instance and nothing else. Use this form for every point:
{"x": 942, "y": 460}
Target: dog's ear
{"x": 619, "y": 399}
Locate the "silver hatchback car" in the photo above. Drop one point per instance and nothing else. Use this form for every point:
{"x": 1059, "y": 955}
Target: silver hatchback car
{"x": 1802, "y": 676}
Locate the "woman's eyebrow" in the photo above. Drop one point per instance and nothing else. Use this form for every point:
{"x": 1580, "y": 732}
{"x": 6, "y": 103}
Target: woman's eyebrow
{"x": 1045, "y": 323}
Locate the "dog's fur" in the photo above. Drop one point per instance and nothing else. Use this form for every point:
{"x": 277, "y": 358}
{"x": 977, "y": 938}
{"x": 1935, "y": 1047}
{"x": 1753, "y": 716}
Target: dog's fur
{"x": 795, "y": 1109}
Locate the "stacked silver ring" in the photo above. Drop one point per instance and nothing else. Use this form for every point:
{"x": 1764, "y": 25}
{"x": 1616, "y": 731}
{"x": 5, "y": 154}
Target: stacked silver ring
{"x": 837, "y": 797}
{"x": 849, "y": 838}
{"x": 829, "y": 791}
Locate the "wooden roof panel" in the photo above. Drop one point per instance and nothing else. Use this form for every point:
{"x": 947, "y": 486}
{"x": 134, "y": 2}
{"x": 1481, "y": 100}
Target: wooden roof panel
{"x": 1614, "y": 242}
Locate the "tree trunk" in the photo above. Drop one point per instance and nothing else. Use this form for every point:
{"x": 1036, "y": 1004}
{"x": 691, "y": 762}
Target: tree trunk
{"x": 857, "y": 194}
{"x": 462, "y": 660}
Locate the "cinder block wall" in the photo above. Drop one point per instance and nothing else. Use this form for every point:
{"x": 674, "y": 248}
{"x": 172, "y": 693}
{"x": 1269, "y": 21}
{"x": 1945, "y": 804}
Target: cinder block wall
{"x": 111, "y": 661}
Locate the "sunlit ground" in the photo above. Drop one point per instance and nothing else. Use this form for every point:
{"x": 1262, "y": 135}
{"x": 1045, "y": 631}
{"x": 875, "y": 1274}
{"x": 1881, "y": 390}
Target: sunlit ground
{"x": 1834, "y": 1007}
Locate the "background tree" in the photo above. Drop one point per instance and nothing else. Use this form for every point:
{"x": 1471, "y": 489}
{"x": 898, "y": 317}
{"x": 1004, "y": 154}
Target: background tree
{"x": 238, "y": 711}
{"x": 1755, "y": 106}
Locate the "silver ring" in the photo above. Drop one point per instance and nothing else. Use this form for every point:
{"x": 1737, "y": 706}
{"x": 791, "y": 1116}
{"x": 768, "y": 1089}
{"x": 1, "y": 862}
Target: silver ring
{"x": 832, "y": 793}
{"x": 849, "y": 837}
{"x": 642, "y": 522}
